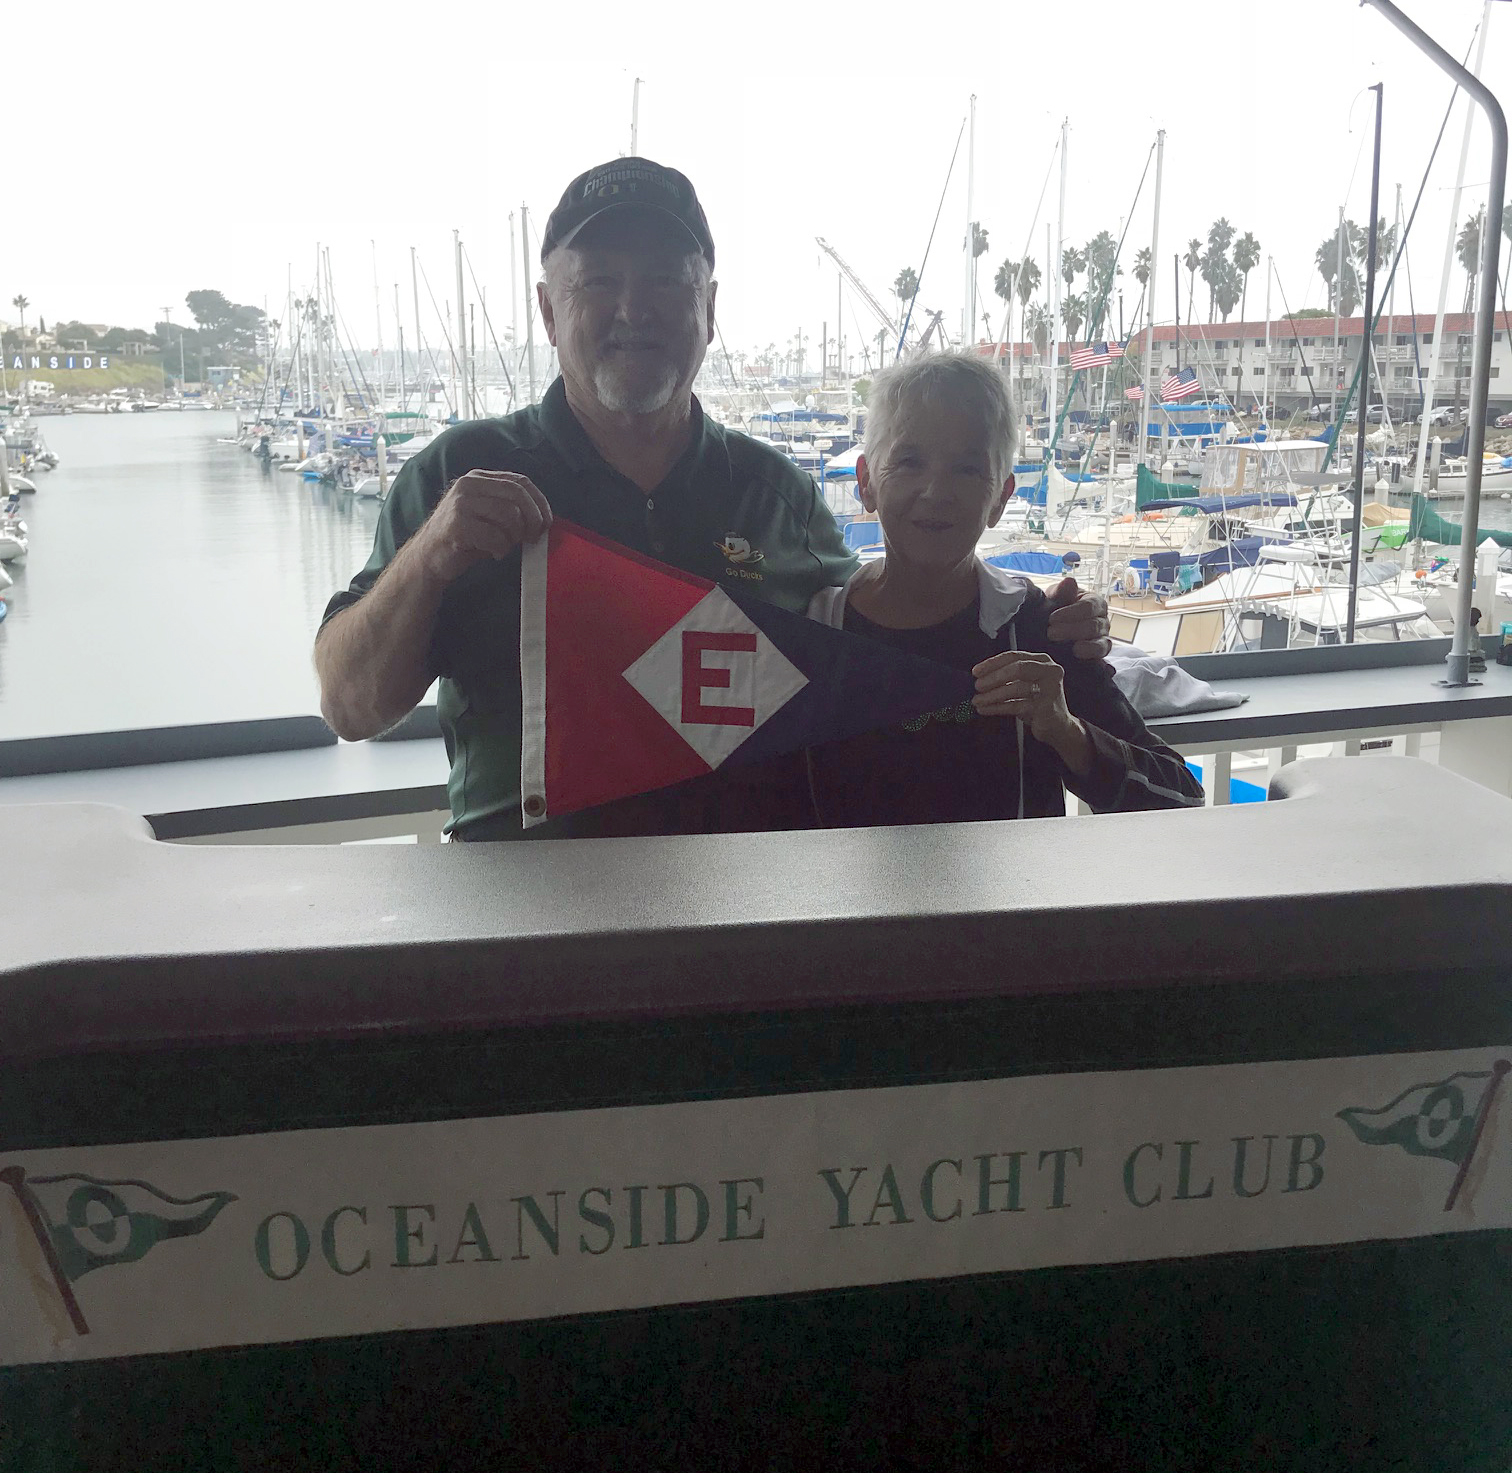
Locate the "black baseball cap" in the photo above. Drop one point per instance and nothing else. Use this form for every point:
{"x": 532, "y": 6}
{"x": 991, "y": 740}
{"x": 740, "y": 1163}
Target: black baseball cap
{"x": 628, "y": 181}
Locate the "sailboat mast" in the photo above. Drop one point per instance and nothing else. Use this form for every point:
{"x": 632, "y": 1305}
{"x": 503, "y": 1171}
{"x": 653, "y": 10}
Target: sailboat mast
{"x": 968, "y": 304}
{"x": 514, "y": 289}
{"x": 464, "y": 397}
{"x": 1435, "y": 358}
{"x": 399, "y": 324}
{"x": 419, "y": 340}
{"x": 378, "y": 325}
{"x": 529, "y": 315}
{"x": 635, "y": 120}
{"x": 1333, "y": 383}
{"x": 1269, "y": 272}
{"x": 1055, "y": 285}
{"x": 1147, "y": 403}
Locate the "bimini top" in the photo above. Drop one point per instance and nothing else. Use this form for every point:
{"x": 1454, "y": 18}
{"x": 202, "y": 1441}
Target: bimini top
{"x": 1216, "y": 505}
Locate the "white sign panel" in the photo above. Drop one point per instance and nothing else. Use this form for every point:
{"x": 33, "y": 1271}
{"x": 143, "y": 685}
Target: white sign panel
{"x": 179, "y": 1245}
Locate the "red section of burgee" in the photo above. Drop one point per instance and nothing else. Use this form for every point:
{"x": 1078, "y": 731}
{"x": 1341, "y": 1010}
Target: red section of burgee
{"x": 605, "y": 607}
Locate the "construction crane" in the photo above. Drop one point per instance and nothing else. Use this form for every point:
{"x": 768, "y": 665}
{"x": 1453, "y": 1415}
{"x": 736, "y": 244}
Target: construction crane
{"x": 881, "y": 313}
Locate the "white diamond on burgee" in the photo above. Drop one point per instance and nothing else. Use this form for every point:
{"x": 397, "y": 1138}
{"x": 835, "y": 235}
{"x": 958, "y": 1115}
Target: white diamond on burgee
{"x": 764, "y": 681}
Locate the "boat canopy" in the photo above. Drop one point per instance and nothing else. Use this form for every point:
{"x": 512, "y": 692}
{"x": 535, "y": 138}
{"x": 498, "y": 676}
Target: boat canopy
{"x": 1426, "y": 523}
{"x": 1217, "y": 505}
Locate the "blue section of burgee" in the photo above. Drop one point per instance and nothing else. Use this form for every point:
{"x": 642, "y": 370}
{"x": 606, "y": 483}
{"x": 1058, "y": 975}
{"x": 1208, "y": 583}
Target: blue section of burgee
{"x": 854, "y": 685}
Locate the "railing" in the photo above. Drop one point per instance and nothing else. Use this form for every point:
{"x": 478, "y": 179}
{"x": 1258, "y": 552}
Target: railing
{"x": 289, "y": 781}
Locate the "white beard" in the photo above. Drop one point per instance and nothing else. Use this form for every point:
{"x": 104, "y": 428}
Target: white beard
{"x": 635, "y": 392}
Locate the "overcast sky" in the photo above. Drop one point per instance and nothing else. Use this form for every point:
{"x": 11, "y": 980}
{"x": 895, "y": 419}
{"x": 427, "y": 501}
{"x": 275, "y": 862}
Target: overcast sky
{"x": 215, "y": 145}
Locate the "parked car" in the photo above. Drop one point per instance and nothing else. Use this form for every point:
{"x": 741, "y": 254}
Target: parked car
{"x": 1504, "y": 422}
{"x": 1445, "y": 414}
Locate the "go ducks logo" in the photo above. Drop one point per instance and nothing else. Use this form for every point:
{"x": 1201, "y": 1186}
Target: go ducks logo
{"x": 70, "y": 1225}
{"x": 741, "y": 556}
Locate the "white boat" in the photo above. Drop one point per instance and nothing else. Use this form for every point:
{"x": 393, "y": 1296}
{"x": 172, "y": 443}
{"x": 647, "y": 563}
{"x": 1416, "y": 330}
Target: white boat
{"x": 13, "y": 543}
{"x": 370, "y": 488}
{"x": 1454, "y": 475}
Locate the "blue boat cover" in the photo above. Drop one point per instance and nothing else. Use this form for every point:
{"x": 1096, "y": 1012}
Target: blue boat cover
{"x": 1048, "y": 563}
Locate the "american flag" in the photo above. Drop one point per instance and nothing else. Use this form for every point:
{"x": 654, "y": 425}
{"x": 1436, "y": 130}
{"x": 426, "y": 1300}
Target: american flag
{"x": 1135, "y": 393}
{"x": 1181, "y": 384}
{"x": 1095, "y": 354}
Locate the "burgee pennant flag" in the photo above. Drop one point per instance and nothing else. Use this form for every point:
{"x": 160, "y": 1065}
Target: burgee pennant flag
{"x": 635, "y": 676}
{"x": 1427, "y": 1119}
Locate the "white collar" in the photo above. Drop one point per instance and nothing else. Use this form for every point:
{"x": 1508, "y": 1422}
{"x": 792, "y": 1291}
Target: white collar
{"x": 1000, "y": 595}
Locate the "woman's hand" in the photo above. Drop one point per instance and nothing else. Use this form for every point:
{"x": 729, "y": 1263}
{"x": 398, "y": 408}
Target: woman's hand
{"x": 1032, "y": 688}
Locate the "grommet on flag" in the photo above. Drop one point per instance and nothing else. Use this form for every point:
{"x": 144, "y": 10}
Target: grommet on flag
{"x": 635, "y": 675}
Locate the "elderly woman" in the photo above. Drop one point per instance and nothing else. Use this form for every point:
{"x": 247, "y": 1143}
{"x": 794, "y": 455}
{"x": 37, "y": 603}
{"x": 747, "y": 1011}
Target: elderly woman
{"x": 937, "y": 472}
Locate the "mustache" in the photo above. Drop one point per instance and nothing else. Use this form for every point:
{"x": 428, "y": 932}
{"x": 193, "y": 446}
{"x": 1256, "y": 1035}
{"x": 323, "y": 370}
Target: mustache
{"x": 633, "y": 340}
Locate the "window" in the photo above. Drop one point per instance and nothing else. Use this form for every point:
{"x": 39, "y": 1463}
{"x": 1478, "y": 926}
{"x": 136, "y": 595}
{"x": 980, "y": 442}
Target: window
{"x": 1287, "y": 372}
{"x": 1496, "y": 337}
{"x": 1403, "y": 371}
{"x": 1463, "y": 370}
{"x": 1258, "y": 372}
{"x": 1404, "y": 340}
{"x": 1427, "y": 339}
{"x": 1237, "y": 370}
{"x": 1219, "y": 345}
{"x": 1495, "y": 371}
{"x": 1306, "y": 342}
{"x": 1466, "y": 338}
{"x": 1306, "y": 370}
{"x": 1259, "y": 342}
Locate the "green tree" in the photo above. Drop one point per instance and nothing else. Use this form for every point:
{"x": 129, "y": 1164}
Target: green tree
{"x": 1004, "y": 283}
{"x": 1468, "y": 249}
{"x": 1193, "y": 263}
{"x": 21, "y": 303}
{"x": 1028, "y": 280}
{"x": 1343, "y": 295}
{"x": 1246, "y": 258}
{"x": 1227, "y": 289}
{"x": 1074, "y": 314}
{"x": 1215, "y": 259}
{"x": 978, "y": 241}
{"x": 1142, "y": 266}
{"x": 1102, "y": 263}
{"x": 210, "y": 309}
{"x": 1037, "y": 325}
{"x": 906, "y": 286}
{"x": 1073, "y": 262}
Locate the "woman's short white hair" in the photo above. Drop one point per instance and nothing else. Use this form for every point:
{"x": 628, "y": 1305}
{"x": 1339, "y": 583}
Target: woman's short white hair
{"x": 959, "y": 380}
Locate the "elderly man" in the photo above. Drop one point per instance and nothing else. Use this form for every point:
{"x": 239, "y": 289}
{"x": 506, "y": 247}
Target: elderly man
{"x": 618, "y": 444}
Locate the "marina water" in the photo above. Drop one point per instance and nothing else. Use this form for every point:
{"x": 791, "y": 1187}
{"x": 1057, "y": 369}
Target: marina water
{"x": 172, "y": 580}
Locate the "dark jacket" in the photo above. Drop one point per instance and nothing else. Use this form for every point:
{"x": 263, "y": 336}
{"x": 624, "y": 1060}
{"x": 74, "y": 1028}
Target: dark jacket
{"x": 957, "y": 766}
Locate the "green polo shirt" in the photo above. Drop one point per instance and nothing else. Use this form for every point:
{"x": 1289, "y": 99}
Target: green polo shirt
{"x": 725, "y": 486}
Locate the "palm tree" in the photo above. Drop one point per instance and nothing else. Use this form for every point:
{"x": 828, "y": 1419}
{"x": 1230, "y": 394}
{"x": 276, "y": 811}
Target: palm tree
{"x": 978, "y": 241}
{"x": 1028, "y": 280}
{"x": 1192, "y": 261}
{"x": 21, "y": 303}
{"x": 1226, "y": 291}
{"x": 1073, "y": 314}
{"x": 1037, "y": 325}
{"x": 1102, "y": 263}
{"x": 1005, "y": 284}
{"x": 906, "y": 286}
{"x": 1215, "y": 259}
{"x": 1468, "y": 249}
{"x": 1142, "y": 266}
{"x": 1073, "y": 262}
{"x": 1246, "y": 258}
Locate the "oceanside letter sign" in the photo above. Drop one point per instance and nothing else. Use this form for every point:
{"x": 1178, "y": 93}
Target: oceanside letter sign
{"x": 132, "y": 1249}
{"x": 23, "y": 361}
